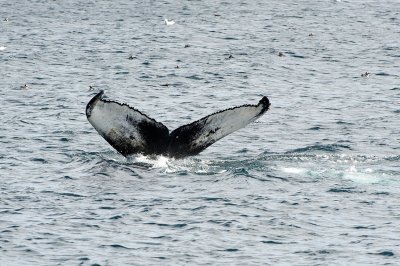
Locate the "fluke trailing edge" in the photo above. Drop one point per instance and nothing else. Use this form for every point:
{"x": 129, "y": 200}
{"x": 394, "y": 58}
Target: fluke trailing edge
{"x": 129, "y": 131}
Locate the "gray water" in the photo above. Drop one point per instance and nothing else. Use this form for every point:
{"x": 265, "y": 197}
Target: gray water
{"x": 316, "y": 181}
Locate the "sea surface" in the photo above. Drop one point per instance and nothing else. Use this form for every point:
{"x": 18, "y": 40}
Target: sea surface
{"x": 315, "y": 181}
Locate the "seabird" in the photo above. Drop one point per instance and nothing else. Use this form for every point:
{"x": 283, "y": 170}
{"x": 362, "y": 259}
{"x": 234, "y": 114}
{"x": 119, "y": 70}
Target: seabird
{"x": 169, "y": 23}
{"x": 366, "y": 74}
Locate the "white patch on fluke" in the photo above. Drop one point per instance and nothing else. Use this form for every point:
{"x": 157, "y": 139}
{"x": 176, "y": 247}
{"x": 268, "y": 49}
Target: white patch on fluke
{"x": 221, "y": 124}
{"x": 110, "y": 118}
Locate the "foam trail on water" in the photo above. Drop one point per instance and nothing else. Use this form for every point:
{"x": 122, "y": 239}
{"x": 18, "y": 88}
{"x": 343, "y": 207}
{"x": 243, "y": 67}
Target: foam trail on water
{"x": 365, "y": 177}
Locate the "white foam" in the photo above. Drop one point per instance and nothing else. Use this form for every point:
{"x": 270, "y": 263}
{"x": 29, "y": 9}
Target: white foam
{"x": 171, "y": 165}
{"x": 155, "y": 162}
{"x": 161, "y": 162}
{"x": 293, "y": 170}
{"x": 366, "y": 176}
{"x": 2, "y": 48}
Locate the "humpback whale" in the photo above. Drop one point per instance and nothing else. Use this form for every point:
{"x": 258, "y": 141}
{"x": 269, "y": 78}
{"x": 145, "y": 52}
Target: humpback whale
{"x": 129, "y": 131}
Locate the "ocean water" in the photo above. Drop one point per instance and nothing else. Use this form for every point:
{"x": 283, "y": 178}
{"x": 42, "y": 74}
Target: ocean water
{"x": 315, "y": 181}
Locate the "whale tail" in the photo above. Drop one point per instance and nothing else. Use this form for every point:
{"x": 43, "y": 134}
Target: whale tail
{"x": 130, "y": 132}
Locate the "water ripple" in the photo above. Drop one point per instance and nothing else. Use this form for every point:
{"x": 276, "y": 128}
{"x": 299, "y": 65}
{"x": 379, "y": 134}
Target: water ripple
{"x": 315, "y": 180}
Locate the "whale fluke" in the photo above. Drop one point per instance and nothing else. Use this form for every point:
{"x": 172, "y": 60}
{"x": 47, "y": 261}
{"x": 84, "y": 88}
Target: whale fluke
{"x": 131, "y": 132}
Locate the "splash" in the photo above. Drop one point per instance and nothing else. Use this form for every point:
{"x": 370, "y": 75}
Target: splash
{"x": 152, "y": 162}
{"x": 171, "y": 165}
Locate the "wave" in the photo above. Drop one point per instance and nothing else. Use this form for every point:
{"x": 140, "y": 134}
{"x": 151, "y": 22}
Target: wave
{"x": 335, "y": 147}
